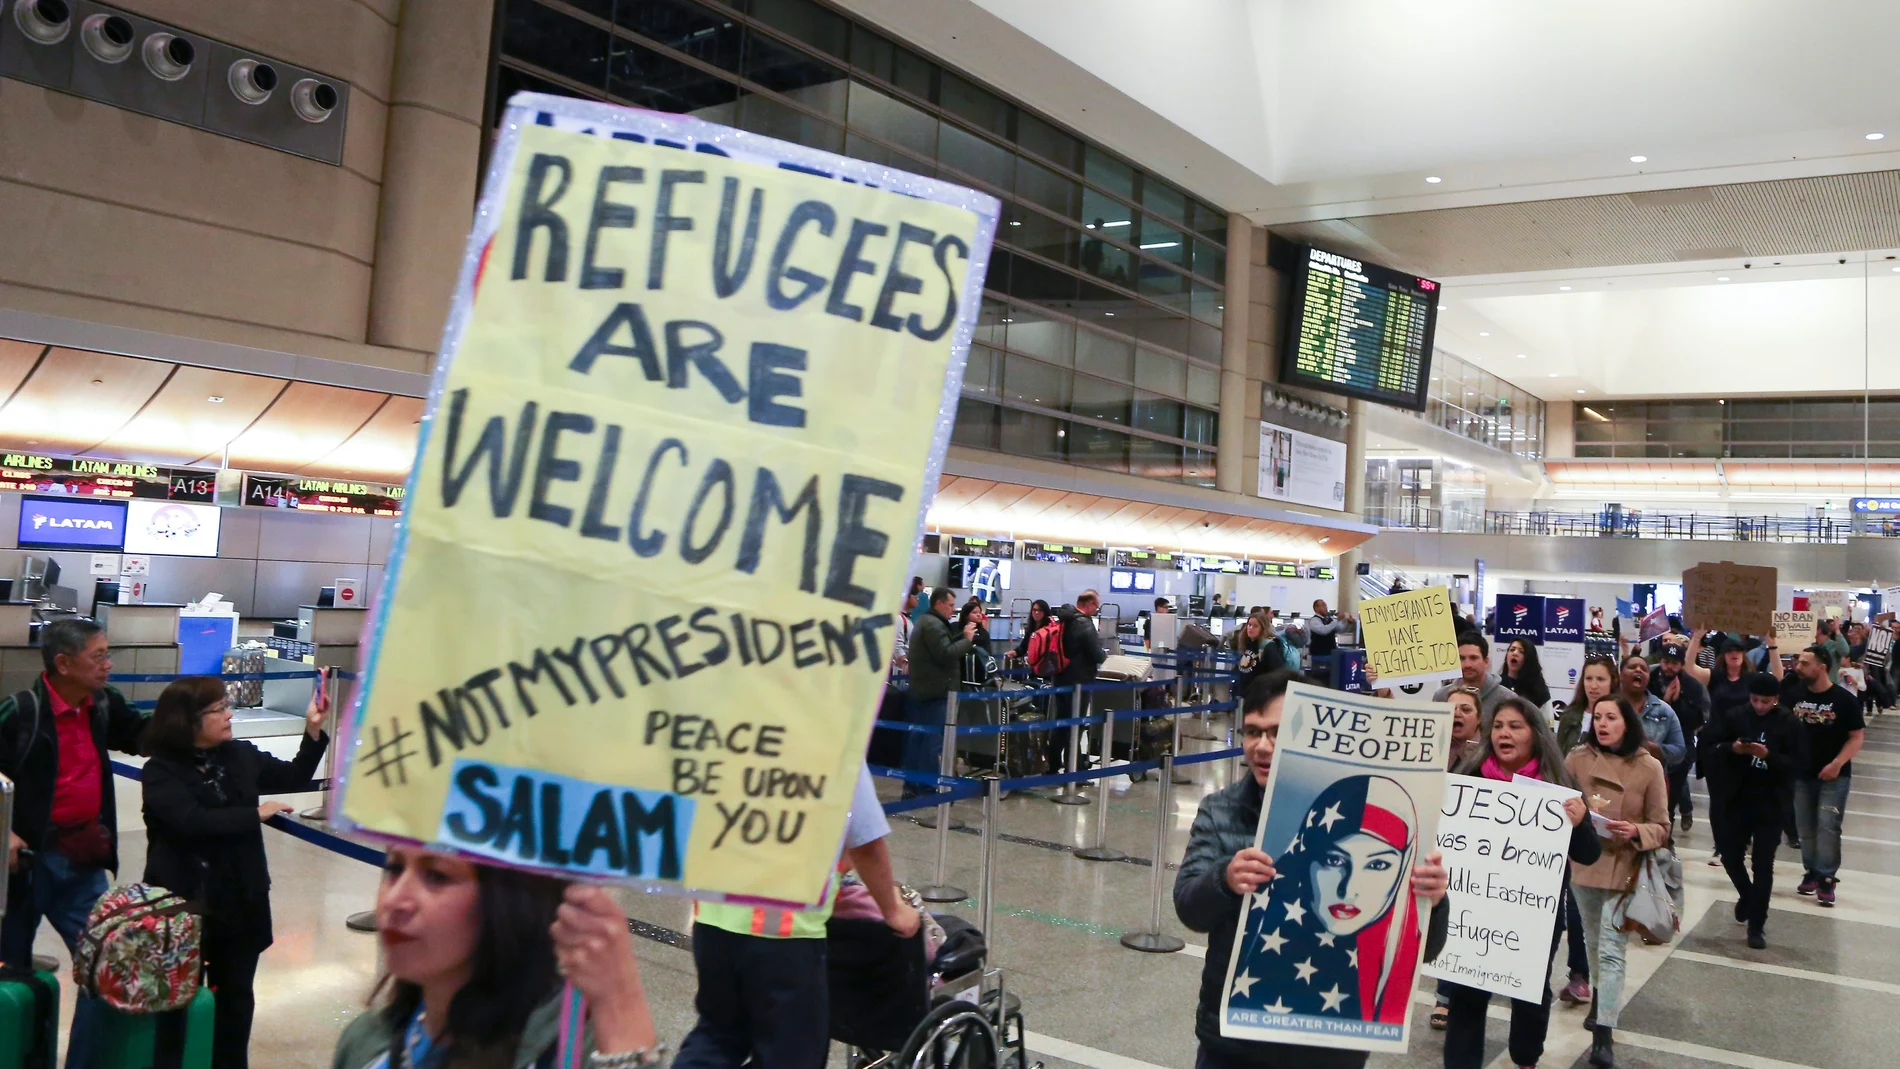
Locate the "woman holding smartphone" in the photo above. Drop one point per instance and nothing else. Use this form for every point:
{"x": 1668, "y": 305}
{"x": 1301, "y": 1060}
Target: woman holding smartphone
{"x": 205, "y": 839}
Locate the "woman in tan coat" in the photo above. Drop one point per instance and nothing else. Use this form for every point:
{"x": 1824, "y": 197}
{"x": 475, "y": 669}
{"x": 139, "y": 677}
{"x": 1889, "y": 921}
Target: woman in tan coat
{"x": 1624, "y": 785}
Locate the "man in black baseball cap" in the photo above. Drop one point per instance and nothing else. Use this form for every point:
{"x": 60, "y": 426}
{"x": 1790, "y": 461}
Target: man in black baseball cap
{"x": 1761, "y": 749}
{"x": 1690, "y": 699}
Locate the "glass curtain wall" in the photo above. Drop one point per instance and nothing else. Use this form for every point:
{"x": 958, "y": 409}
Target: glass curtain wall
{"x": 1101, "y": 337}
{"x": 1815, "y": 428}
{"x": 1472, "y": 402}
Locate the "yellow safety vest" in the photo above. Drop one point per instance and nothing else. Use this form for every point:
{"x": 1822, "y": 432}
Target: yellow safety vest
{"x": 768, "y": 921}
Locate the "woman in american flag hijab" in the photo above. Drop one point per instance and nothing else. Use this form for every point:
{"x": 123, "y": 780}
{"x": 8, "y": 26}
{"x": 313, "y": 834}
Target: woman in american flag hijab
{"x": 1336, "y": 932}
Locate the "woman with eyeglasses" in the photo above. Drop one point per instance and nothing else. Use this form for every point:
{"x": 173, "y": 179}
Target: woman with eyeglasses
{"x": 205, "y": 839}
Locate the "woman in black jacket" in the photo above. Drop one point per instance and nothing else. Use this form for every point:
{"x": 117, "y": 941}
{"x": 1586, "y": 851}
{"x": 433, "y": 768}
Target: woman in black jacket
{"x": 1523, "y": 673}
{"x": 205, "y": 839}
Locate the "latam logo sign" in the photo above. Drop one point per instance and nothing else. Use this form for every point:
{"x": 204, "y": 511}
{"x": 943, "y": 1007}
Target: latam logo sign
{"x": 1563, "y": 619}
{"x": 83, "y": 523}
{"x": 71, "y": 523}
{"x": 1519, "y": 616}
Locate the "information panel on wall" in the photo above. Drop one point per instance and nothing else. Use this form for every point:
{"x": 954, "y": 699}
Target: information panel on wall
{"x": 1359, "y": 329}
{"x": 1302, "y": 468}
{"x": 37, "y": 473}
{"x": 1000, "y": 548}
{"x": 323, "y": 495}
{"x": 1050, "y": 553}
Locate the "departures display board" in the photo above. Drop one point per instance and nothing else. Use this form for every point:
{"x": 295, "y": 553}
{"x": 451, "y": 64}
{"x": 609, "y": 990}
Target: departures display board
{"x": 1360, "y": 330}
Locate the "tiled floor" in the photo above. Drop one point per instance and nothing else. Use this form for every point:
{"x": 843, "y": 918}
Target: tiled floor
{"x": 1826, "y": 994}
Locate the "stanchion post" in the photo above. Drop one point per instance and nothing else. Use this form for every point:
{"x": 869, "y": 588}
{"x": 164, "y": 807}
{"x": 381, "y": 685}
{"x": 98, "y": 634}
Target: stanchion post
{"x": 1154, "y": 940}
{"x": 986, "y": 883}
{"x": 1100, "y": 850}
{"x": 1174, "y": 748}
{"x": 1070, "y": 794}
{"x": 942, "y": 890}
{"x": 946, "y": 764}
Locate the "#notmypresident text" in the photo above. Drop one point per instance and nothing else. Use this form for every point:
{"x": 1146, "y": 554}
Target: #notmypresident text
{"x": 1327, "y": 952}
{"x": 691, "y": 405}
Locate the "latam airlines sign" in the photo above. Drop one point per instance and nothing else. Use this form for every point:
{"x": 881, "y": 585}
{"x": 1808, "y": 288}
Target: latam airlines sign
{"x": 71, "y": 523}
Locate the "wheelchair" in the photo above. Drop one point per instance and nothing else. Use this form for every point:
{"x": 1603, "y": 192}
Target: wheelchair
{"x": 893, "y": 1010}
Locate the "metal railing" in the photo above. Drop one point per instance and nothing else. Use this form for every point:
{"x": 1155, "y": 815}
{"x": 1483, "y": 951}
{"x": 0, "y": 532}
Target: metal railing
{"x": 1674, "y": 526}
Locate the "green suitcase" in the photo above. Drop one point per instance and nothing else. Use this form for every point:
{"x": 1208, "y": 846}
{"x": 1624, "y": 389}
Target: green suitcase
{"x": 130, "y": 1041}
{"x": 29, "y": 1021}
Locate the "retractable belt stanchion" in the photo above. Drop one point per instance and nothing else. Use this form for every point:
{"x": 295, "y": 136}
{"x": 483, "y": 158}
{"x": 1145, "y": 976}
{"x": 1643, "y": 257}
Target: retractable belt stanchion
{"x": 1200, "y": 729}
{"x": 942, "y": 890}
{"x": 1174, "y": 747}
{"x": 1154, "y": 940}
{"x": 1070, "y": 794}
{"x": 1100, "y": 850}
{"x": 986, "y": 883}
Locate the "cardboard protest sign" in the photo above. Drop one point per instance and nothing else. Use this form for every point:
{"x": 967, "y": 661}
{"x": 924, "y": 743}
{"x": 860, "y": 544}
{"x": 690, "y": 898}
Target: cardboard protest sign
{"x": 691, "y": 405}
{"x": 1728, "y": 597}
{"x": 1410, "y": 637}
{"x": 1793, "y": 628}
{"x": 1326, "y": 953}
{"x": 1833, "y": 604}
{"x": 1506, "y": 846}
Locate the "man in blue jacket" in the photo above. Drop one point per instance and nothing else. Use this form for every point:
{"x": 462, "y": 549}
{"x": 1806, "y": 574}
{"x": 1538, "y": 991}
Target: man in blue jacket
{"x": 1223, "y": 867}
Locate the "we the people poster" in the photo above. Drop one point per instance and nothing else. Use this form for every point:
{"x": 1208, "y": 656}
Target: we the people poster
{"x": 690, "y": 409}
{"x": 1327, "y": 951}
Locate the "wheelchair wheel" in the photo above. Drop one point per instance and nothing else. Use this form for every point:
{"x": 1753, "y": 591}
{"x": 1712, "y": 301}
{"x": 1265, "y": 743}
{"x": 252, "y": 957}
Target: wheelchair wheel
{"x": 954, "y": 1035}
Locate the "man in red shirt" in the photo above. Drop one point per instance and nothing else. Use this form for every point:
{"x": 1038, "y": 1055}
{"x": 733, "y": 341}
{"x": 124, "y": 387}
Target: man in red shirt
{"x": 53, "y": 742}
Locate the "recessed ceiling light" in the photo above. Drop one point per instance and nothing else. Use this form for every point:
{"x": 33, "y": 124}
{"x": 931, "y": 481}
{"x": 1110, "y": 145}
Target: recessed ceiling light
{"x": 1108, "y": 313}
{"x": 1875, "y": 137}
{"x": 1721, "y": 278}
{"x": 1639, "y": 159}
{"x": 1553, "y": 375}
{"x": 1521, "y": 356}
{"x": 1583, "y": 391}
{"x": 1565, "y": 289}
{"x": 215, "y": 399}
{"x": 1487, "y": 334}
{"x": 1442, "y": 306}
{"x": 1433, "y": 179}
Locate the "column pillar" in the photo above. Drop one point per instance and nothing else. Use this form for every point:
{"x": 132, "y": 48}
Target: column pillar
{"x": 1355, "y": 504}
{"x": 1230, "y": 462}
{"x": 430, "y": 162}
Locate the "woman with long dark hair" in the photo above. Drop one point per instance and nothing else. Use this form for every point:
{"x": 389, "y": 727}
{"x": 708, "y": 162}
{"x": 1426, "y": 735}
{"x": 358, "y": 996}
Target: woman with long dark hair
{"x": 474, "y": 956}
{"x": 1523, "y": 674}
{"x": 1038, "y": 619}
{"x": 1594, "y": 683}
{"x": 205, "y": 839}
{"x": 1517, "y": 742}
{"x": 1623, "y": 783}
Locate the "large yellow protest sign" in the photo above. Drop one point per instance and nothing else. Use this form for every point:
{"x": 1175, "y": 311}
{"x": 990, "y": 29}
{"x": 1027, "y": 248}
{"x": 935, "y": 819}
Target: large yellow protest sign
{"x": 693, "y": 402}
{"x": 1410, "y": 637}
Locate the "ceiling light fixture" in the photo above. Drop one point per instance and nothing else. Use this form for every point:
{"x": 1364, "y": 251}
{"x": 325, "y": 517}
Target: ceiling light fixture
{"x": 1639, "y": 159}
{"x": 1565, "y": 289}
{"x": 1433, "y": 179}
{"x": 1875, "y": 136}
{"x": 1109, "y": 314}
{"x": 1015, "y": 222}
{"x": 1118, "y": 222}
{"x": 1442, "y": 306}
{"x": 1484, "y": 334}
{"x": 215, "y": 399}
{"x": 1161, "y": 245}
{"x": 1595, "y": 415}
{"x": 1721, "y": 278}
{"x": 1520, "y": 356}
{"x": 1554, "y": 375}
{"x": 1583, "y": 391}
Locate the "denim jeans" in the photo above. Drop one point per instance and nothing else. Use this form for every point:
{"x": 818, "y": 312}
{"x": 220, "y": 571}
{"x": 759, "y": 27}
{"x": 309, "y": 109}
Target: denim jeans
{"x": 1603, "y": 915}
{"x": 923, "y": 751}
{"x": 64, "y": 894}
{"x": 1819, "y": 805}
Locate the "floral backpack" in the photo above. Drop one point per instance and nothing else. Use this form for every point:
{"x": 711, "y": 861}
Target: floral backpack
{"x": 140, "y": 952}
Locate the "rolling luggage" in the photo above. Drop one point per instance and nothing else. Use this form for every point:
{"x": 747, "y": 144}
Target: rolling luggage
{"x": 29, "y": 1019}
{"x": 178, "y": 1038}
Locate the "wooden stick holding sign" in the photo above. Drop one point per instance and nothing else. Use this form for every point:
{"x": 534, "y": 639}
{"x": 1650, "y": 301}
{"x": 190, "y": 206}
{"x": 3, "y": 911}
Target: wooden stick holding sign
{"x": 1729, "y": 597}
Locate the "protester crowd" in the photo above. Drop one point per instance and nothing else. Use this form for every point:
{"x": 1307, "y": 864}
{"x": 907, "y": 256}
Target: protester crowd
{"x": 475, "y": 956}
